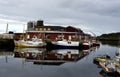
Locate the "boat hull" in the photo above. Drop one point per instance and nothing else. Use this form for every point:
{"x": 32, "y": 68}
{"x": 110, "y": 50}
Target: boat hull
{"x": 28, "y": 45}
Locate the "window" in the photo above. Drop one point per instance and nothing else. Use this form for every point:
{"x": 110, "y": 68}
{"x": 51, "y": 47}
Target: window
{"x": 48, "y": 29}
{"x": 40, "y": 29}
{"x": 36, "y": 29}
{"x": 44, "y": 28}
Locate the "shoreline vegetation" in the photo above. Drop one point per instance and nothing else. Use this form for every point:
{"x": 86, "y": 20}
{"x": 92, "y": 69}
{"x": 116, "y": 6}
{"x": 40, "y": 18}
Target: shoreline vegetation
{"x": 109, "y": 37}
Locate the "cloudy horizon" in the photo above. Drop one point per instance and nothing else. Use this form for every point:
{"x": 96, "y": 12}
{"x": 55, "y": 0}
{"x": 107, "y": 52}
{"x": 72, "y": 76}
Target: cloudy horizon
{"x": 97, "y": 16}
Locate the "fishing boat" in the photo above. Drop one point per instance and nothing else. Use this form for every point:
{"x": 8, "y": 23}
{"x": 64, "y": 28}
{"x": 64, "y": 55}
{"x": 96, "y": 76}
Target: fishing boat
{"x": 64, "y": 44}
{"x": 34, "y": 43}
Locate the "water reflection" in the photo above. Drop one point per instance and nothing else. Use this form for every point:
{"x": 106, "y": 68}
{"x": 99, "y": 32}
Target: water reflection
{"x": 111, "y": 43}
{"x": 34, "y": 62}
{"x": 54, "y": 57}
{"x": 5, "y": 54}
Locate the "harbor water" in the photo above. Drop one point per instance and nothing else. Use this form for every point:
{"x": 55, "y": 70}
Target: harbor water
{"x": 12, "y": 64}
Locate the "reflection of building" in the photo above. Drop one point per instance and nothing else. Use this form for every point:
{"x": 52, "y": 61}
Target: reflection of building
{"x": 53, "y": 32}
{"x": 6, "y": 53}
{"x": 55, "y": 57}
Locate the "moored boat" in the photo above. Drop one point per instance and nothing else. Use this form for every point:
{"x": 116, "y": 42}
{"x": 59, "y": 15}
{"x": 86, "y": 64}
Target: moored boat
{"x": 34, "y": 43}
{"x": 101, "y": 58}
{"x": 108, "y": 65}
{"x": 64, "y": 45}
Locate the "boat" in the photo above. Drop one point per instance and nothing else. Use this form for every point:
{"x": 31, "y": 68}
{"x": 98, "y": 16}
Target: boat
{"x": 101, "y": 58}
{"x": 34, "y": 43}
{"x": 110, "y": 66}
{"x": 64, "y": 44}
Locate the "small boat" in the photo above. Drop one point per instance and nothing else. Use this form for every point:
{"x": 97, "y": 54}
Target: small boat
{"x": 110, "y": 66}
{"x": 101, "y": 58}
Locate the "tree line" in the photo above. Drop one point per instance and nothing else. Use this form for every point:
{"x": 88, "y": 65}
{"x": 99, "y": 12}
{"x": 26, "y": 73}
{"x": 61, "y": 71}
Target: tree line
{"x": 110, "y": 37}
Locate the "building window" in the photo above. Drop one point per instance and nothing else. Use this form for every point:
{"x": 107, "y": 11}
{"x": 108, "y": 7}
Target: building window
{"x": 40, "y": 29}
{"x": 48, "y": 29}
{"x": 44, "y": 28}
{"x": 36, "y": 29}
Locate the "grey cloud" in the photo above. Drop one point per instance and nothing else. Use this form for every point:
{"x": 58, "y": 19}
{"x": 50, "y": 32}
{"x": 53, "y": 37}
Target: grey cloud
{"x": 102, "y": 7}
{"x": 95, "y": 14}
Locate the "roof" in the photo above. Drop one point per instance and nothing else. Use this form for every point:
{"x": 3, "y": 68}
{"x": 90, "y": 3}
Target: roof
{"x": 51, "y": 32}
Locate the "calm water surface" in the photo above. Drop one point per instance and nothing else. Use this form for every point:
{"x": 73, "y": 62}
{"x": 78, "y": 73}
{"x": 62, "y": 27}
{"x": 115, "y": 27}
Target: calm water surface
{"x": 11, "y": 66}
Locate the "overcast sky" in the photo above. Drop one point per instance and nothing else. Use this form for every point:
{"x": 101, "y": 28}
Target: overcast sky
{"x": 97, "y": 16}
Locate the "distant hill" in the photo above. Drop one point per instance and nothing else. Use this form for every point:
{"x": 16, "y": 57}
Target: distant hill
{"x": 110, "y": 36}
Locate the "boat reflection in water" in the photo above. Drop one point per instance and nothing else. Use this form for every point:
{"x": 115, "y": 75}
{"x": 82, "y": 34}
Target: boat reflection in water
{"x": 54, "y": 57}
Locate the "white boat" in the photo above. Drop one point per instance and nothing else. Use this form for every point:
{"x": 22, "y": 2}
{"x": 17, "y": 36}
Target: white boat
{"x": 34, "y": 43}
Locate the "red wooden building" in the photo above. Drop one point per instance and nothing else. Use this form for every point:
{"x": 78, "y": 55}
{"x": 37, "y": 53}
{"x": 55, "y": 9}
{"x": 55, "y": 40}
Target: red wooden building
{"x": 53, "y": 32}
